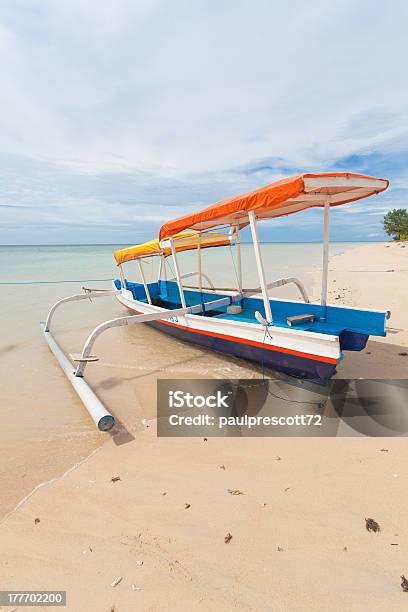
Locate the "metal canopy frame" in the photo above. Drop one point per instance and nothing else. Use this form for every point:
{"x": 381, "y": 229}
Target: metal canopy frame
{"x": 177, "y": 271}
{"x": 259, "y": 265}
{"x": 325, "y": 271}
{"x": 145, "y": 285}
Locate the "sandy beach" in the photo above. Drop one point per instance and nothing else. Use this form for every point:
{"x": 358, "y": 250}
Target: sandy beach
{"x": 374, "y": 275}
{"x": 299, "y": 539}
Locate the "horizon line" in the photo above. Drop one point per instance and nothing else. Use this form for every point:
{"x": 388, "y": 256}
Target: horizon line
{"x": 90, "y": 244}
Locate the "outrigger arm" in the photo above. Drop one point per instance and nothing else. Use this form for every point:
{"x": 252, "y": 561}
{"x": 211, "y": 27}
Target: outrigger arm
{"x": 145, "y": 318}
{"x": 75, "y": 298}
{"x": 102, "y": 418}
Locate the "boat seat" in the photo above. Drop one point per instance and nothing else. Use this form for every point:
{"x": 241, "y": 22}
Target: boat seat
{"x": 299, "y": 319}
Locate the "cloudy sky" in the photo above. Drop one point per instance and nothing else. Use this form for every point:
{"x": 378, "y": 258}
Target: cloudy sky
{"x": 117, "y": 115}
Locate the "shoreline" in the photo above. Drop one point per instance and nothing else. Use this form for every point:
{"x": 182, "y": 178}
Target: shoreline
{"x": 50, "y": 482}
{"x": 341, "y": 284}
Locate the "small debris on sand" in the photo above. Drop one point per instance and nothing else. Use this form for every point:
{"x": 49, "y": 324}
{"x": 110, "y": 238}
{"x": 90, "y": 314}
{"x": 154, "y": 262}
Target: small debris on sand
{"x": 115, "y": 478}
{"x": 404, "y": 583}
{"x": 345, "y": 548}
{"x": 278, "y": 458}
{"x": 139, "y": 563}
{"x": 394, "y": 544}
{"x": 235, "y": 492}
{"x": 372, "y": 525}
{"x": 222, "y": 467}
{"x": 205, "y": 439}
{"x": 36, "y": 521}
{"x": 280, "y": 549}
{"x": 116, "y": 581}
{"x": 187, "y": 506}
{"x": 164, "y": 493}
{"x": 287, "y": 489}
{"x": 384, "y": 450}
{"x": 263, "y": 505}
{"x": 228, "y": 538}
{"x": 403, "y": 354}
{"x": 136, "y": 588}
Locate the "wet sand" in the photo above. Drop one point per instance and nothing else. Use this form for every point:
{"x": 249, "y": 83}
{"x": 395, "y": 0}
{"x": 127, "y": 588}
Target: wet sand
{"x": 46, "y": 429}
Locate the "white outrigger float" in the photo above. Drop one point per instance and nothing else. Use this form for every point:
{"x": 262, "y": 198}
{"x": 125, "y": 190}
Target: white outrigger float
{"x": 300, "y": 338}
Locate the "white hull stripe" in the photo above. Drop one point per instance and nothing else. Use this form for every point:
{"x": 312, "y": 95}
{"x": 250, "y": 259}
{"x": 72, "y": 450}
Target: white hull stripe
{"x": 240, "y": 340}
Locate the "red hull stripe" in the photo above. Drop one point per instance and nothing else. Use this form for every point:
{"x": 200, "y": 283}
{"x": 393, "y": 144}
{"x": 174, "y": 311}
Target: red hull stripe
{"x": 270, "y": 347}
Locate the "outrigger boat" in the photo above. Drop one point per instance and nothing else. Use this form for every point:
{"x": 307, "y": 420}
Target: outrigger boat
{"x": 297, "y": 337}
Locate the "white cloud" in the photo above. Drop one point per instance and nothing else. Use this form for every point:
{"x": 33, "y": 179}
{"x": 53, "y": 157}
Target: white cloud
{"x": 185, "y": 96}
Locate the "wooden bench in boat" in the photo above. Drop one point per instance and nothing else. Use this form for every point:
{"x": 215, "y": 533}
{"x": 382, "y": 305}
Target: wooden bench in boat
{"x": 300, "y": 319}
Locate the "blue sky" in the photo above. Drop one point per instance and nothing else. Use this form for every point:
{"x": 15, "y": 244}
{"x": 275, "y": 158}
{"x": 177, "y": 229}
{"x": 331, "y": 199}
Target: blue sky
{"x": 116, "y": 115}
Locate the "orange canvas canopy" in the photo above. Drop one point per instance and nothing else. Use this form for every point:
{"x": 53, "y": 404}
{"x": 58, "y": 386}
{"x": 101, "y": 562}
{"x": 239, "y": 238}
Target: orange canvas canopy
{"x": 184, "y": 241}
{"x": 283, "y": 197}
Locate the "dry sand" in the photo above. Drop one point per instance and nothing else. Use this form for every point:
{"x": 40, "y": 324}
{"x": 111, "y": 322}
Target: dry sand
{"x": 299, "y": 540}
{"x": 374, "y": 276}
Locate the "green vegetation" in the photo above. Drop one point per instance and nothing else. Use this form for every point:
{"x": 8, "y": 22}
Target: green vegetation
{"x": 396, "y": 223}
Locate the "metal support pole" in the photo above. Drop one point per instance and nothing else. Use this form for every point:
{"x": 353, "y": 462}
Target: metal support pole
{"x": 166, "y": 287}
{"x": 325, "y": 252}
{"x": 146, "y": 288}
{"x": 200, "y": 277}
{"x": 122, "y": 277}
{"x": 239, "y": 262}
{"x": 160, "y": 268}
{"x": 177, "y": 270}
{"x": 259, "y": 265}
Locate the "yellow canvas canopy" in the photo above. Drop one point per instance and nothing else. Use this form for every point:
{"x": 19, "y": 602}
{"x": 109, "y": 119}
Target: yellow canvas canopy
{"x": 183, "y": 241}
